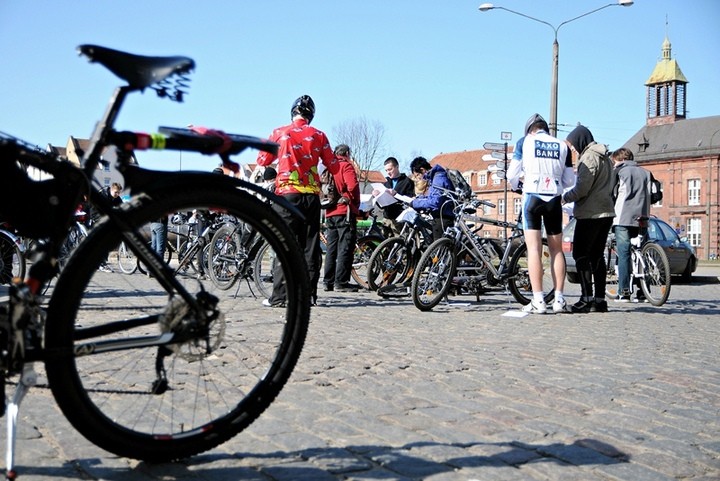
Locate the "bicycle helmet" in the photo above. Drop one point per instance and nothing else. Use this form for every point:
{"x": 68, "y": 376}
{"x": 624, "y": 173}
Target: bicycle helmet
{"x": 304, "y": 106}
{"x": 533, "y": 120}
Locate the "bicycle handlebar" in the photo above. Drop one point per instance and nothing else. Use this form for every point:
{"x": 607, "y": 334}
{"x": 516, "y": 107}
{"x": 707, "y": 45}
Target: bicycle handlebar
{"x": 176, "y": 138}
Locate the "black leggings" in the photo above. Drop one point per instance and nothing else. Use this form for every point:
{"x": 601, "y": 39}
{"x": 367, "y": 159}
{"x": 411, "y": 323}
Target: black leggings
{"x": 588, "y": 249}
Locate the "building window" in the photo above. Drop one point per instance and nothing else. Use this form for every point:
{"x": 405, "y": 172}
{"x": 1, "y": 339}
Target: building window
{"x": 517, "y": 205}
{"x": 482, "y": 178}
{"x": 501, "y": 206}
{"x": 694, "y": 231}
{"x": 694, "y": 192}
{"x": 106, "y": 181}
{"x": 496, "y": 180}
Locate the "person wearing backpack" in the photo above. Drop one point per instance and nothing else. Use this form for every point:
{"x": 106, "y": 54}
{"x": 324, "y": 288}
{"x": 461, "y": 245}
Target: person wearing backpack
{"x": 436, "y": 200}
{"x": 631, "y": 192}
{"x": 302, "y": 148}
{"x": 341, "y": 225}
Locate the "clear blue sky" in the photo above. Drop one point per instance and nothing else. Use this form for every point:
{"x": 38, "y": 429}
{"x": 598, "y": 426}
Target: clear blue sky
{"x": 440, "y": 76}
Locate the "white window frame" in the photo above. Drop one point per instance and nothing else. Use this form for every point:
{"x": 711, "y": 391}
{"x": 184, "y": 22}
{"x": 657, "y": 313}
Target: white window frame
{"x": 693, "y": 191}
{"x": 694, "y": 231}
{"x": 482, "y": 178}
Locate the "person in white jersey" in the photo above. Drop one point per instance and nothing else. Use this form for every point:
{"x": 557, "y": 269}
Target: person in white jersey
{"x": 545, "y": 169}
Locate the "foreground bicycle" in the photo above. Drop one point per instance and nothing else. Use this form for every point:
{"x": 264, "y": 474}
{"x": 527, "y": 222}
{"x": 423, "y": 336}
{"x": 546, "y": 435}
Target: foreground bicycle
{"x": 649, "y": 268}
{"x": 154, "y": 368}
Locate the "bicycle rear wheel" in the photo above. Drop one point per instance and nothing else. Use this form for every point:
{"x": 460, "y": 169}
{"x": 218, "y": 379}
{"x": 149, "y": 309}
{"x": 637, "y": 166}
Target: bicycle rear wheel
{"x": 388, "y": 264}
{"x": 224, "y": 256}
{"x": 433, "y": 274}
{"x": 127, "y": 262}
{"x": 611, "y": 280}
{"x": 364, "y": 248}
{"x": 12, "y": 260}
{"x": 519, "y": 281}
{"x": 125, "y": 388}
{"x": 263, "y": 268}
{"x": 655, "y": 282}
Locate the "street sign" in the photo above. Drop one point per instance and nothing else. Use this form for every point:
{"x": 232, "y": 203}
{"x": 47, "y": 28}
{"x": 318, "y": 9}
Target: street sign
{"x": 500, "y": 174}
{"x": 506, "y": 135}
{"x": 500, "y": 164}
{"x": 488, "y": 158}
{"x": 498, "y": 155}
{"x": 493, "y": 168}
{"x": 493, "y": 146}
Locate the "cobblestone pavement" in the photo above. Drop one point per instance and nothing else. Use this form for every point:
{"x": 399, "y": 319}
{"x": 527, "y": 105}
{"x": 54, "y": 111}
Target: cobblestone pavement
{"x": 385, "y": 392}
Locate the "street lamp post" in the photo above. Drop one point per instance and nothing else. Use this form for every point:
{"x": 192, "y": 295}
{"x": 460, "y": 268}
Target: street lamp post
{"x": 556, "y": 50}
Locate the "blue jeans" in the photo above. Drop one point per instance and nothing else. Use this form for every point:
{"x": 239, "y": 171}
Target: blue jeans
{"x": 623, "y": 234}
{"x": 159, "y": 236}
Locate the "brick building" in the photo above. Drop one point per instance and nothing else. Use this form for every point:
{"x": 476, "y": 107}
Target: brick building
{"x": 683, "y": 154}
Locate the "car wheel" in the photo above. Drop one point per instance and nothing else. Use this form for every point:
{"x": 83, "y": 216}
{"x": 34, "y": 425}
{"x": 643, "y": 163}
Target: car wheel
{"x": 686, "y": 276}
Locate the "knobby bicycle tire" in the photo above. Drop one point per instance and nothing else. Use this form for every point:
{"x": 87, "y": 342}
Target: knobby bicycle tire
{"x": 217, "y": 385}
{"x": 433, "y": 274}
{"x": 655, "y": 282}
{"x": 519, "y": 281}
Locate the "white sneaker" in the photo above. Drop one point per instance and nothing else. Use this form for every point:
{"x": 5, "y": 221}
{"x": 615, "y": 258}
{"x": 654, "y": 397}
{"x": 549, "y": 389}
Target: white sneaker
{"x": 559, "y": 306}
{"x": 535, "y": 307}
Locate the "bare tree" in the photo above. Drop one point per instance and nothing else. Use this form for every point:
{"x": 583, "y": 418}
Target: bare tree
{"x": 366, "y": 139}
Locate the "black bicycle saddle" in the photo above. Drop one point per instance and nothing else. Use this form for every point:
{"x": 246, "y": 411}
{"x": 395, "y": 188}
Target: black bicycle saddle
{"x": 139, "y": 71}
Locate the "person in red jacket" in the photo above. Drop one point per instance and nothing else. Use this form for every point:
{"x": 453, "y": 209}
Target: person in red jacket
{"x": 302, "y": 148}
{"x": 341, "y": 225}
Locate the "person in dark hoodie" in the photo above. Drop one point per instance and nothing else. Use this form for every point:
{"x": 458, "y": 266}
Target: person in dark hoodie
{"x": 594, "y": 211}
{"x": 436, "y": 201}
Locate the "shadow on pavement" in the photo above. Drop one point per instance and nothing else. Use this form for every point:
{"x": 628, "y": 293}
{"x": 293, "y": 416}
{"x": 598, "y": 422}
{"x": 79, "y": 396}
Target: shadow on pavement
{"x": 413, "y": 461}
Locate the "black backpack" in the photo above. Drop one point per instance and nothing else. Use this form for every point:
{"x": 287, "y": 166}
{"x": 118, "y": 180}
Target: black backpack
{"x": 329, "y": 193}
{"x": 656, "y": 194}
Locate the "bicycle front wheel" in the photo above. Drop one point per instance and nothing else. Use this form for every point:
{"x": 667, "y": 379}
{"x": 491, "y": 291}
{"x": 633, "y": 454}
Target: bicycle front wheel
{"x": 433, "y": 274}
{"x": 225, "y": 254}
{"x": 145, "y": 373}
{"x": 519, "y": 281}
{"x": 655, "y": 281}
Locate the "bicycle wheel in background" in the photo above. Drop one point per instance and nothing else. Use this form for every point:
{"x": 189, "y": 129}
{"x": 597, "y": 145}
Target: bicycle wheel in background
{"x": 433, "y": 274}
{"x": 364, "y": 247}
{"x": 129, "y": 393}
{"x": 655, "y": 282}
{"x": 519, "y": 282}
{"x": 126, "y": 260}
{"x": 263, "y": 268}
{"x": 388, "y": 264}
{"x": 224, "y": 255}
{"x": 611, "y": 282}
{"x": 12, "y": 260}
{"x": 142, "y": 268}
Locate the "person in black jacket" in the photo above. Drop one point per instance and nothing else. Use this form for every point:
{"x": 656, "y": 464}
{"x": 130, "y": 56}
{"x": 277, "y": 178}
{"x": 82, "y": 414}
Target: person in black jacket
{"x": 397, "y": 183}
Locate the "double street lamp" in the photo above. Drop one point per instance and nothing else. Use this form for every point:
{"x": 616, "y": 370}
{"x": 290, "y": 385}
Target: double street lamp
{"x": 556, "y": 50}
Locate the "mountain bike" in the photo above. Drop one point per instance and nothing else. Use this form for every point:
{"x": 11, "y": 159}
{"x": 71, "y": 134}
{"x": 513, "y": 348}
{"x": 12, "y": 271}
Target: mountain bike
{"x": 650, "y": 268}
{"x": 154, "y": 368}
{"x": 462, "y": 257}
{"x": 392, "y": 263}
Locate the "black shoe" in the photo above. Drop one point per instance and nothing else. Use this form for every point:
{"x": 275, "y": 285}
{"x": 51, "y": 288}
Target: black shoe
{"x": 582, "y": 307}
{"x": 346, "y": 288}
{"x": 329, "y": 288}
{"x": 640, "y": 298}
{"x": 599, "y": 306}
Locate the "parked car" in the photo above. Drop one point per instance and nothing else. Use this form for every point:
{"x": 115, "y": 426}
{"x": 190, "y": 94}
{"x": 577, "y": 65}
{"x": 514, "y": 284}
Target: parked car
{"x": 680, "y": 254}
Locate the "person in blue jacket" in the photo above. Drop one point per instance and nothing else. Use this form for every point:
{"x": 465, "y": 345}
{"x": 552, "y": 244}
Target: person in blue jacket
{"x": 436, "y": 201}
